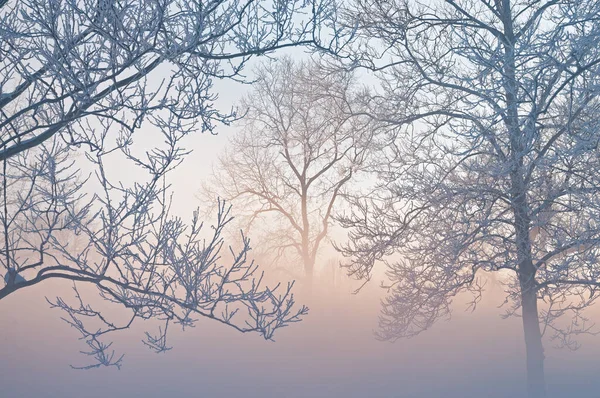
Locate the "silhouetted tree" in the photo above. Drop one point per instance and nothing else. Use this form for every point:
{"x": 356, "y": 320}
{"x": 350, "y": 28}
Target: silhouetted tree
{"x": 297, "y": 149}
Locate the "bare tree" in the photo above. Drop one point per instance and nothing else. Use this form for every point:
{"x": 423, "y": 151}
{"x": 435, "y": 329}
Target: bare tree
{"x": 78, "y": 79}
{"x": 123, "y": 241}
{"x": 488, "y": 161}
{"x": 297, "y": 149}
{"x": 72, "y": 63}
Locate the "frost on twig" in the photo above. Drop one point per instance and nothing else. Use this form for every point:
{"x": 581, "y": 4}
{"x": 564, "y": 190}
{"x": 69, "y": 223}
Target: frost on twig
{"x": 123, "y": 241}
{"x": 81, "y": 81}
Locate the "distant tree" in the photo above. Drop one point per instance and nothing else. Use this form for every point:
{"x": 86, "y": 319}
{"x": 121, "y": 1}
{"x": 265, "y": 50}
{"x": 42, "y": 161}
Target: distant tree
{"x": 488, "y": 161}
{"x": 78, "y": 80}
{"x": 297, "y": 149}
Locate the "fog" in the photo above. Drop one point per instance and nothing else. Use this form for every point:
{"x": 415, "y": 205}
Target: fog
{"x": 331, "y": 353}
{"x": 334, "y": 350}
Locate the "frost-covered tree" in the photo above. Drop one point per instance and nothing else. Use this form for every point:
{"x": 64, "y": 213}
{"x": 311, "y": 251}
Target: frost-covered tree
{"x": 71, "y": 63}
{"x": 90, "y": 84}
{"x": 488, "y": 160}
{"x": 123, "y": 241}
{"x": 298, "y": 148}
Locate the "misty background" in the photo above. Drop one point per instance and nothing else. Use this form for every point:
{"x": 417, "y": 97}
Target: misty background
{"x": 332, "y": 352}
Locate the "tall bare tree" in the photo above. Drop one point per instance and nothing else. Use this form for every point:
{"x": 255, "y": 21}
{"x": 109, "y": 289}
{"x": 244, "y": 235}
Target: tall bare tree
{"x": 78, "y": 80}
{"x": 488, "y": 160}
{"x": 297, "y": 149}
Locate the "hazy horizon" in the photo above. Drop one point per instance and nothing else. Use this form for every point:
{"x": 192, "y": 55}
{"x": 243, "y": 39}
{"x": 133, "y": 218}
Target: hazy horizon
{"x": 331, "y": 353}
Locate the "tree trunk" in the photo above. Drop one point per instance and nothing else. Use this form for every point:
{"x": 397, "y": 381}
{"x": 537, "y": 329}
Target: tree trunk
{"x": 306, "y": 257}
{"x": 534, "y": 349}
{"x": 536, "y": 385}
{"x": 309, "y": 267}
